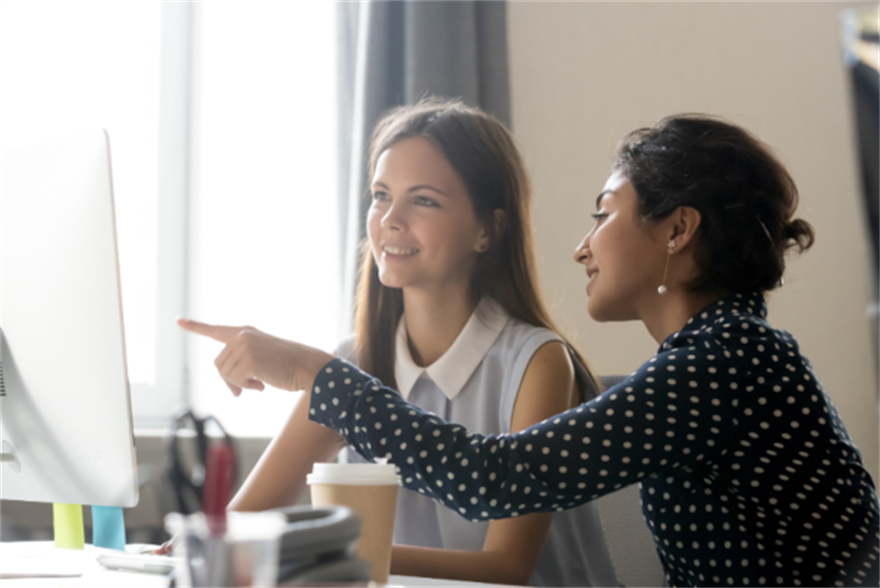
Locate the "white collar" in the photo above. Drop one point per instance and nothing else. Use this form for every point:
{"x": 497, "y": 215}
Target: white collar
{"x": 455, "y": 367}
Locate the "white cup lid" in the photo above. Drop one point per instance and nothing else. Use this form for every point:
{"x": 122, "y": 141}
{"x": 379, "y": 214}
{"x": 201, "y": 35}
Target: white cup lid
{"x": 357, "y": 474}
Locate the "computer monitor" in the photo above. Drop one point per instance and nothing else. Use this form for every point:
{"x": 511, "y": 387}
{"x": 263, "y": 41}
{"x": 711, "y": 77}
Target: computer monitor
{"x": 65, "y": 409}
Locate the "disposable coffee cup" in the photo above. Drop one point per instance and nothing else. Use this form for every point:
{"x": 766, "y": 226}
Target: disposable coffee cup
{"x": 370, "y": 490}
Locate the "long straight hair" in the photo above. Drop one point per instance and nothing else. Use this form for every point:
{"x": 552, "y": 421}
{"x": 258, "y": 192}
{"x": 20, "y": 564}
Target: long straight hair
{"x": 483, "y": 153}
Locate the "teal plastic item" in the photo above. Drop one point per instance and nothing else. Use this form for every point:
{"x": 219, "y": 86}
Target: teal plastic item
{"x": 108, "y": 527}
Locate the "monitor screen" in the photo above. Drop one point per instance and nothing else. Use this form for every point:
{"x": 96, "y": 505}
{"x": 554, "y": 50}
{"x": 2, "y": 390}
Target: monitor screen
{"x": 65, "y": 409}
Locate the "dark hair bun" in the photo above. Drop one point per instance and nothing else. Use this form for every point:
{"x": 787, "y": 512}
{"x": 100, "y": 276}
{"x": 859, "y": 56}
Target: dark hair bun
{"x": 744, "y": 194}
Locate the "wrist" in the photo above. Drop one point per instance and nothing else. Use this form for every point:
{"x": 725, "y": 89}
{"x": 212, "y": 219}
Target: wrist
{"x": 312, "y": 362}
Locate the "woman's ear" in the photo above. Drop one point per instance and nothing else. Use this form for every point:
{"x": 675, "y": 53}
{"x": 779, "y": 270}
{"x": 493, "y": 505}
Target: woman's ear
{"x": 490, "y": 235}
{"x": 685, "y": 222}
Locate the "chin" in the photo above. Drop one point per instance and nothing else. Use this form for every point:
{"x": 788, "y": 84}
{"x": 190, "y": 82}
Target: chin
{"x": 604, "y": 313}
{"x": 392, "y": 283}
{"x": 389, "y": 280}
{"x": 597, "y": 315}
{"x": 595, "y": 310}
{"x": 396, "y": 280}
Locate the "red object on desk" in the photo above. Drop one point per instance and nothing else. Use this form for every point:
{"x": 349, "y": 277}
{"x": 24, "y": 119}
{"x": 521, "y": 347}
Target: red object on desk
{"x": 219, "y": 473}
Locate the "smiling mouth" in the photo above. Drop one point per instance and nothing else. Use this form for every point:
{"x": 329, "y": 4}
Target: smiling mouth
{"x": 399, "y": 250}
{"x": 592, "y": 273}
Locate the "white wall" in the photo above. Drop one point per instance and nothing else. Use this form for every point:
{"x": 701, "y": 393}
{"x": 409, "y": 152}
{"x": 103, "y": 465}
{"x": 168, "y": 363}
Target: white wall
{"x": 584, "y": 74}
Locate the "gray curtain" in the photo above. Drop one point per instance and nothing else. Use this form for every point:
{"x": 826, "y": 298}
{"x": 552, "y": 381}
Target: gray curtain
{"x": 396, "y": 52}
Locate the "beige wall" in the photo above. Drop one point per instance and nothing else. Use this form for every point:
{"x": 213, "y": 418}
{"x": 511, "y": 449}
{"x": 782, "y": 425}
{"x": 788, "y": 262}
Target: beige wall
{"x": 584, "y": 74}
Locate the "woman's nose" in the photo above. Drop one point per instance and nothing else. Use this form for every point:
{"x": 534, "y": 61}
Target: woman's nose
{"x": 393, "y": 219}
{"x": 582, "y": 251}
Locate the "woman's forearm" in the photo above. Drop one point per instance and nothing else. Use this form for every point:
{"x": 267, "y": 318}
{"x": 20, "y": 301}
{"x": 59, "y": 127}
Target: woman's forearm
{"x": 472, "y": 566}
{"x": 279, "y": 477}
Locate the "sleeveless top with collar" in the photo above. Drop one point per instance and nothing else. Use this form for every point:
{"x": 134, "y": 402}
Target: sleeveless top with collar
{"x": 475, "y": 383}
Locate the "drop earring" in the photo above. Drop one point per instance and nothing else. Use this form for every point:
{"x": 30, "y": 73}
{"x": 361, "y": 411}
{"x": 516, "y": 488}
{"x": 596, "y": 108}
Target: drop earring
{"x": 661, "y": 289}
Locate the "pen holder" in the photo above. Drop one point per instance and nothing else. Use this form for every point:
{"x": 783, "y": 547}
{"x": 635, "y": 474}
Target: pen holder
{"x": 245, "y": 555}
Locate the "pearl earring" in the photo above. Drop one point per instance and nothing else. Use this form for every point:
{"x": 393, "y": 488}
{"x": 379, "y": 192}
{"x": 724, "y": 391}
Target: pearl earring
{"x": 661, "y": 289}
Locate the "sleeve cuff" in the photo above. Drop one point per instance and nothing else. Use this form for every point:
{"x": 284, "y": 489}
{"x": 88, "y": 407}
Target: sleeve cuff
{"x": 337, "y": 388}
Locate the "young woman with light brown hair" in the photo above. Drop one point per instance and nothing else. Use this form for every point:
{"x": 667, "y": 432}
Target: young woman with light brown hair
{"x": 448, "y": 312}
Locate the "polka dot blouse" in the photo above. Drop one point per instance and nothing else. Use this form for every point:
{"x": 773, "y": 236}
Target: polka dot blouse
{"x": 747, "y": 474}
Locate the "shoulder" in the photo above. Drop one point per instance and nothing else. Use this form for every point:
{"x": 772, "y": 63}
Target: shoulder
{"x": 735, "y": 338}
{"x": 519, "y": 343}
{"x": 540, "y": 357}
{"x": 532, "y": 366}
{"x": 519, "y": 338}
{"x": 733, "y": 352}
{"x": 548, "y": 348}
{"x": 546, "y": 387}
{"x": 550, "y": 362}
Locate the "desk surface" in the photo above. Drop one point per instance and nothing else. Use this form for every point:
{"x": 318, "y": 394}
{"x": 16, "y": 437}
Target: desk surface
{"x": 42, "y": 556}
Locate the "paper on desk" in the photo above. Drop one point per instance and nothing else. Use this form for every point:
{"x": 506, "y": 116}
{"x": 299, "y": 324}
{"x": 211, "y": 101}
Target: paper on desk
{"x": 91, "y": 579}
{"x": 115, "y": 579}
{"x": 37, "y": 564}
{"x": 62, "y": 564}
{"x": 43, "y": 583}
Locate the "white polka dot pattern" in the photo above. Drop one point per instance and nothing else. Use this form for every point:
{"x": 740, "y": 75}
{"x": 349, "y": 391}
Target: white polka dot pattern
{"x": 747, "y": 474}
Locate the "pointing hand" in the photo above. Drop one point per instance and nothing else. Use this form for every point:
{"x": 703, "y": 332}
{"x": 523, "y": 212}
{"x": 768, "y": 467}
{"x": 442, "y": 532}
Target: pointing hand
{"x": 252, "y": 359}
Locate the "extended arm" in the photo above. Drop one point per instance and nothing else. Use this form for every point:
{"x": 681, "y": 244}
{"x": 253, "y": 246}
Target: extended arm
{"x": 252, "y": 359}
{"x": 652, "y": 421}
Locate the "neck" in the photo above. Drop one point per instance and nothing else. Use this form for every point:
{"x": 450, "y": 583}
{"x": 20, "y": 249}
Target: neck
{"x": 671, "y": 312}
{"x": 434, "y": 319}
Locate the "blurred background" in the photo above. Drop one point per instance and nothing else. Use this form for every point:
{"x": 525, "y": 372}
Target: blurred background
{"x": 238, "y": 129}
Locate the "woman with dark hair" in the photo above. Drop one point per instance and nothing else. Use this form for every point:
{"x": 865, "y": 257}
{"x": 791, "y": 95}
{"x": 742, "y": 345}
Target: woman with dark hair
{"x": 747, "y": 474}
{"x": 449, "y": 313}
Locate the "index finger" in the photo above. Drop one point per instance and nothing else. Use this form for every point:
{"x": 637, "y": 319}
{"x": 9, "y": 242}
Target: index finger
{"x": 217, "y": 332}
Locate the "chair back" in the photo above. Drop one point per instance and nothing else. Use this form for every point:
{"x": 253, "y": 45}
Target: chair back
{"x": 627, "y": 535}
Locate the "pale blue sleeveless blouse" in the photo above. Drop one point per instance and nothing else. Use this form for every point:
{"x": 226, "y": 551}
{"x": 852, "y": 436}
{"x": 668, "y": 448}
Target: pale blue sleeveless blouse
{"x": 475, "y": 384}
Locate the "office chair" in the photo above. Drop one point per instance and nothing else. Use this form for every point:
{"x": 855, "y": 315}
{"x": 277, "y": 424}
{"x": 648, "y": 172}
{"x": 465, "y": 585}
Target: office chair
{"x": 630, "y": 543}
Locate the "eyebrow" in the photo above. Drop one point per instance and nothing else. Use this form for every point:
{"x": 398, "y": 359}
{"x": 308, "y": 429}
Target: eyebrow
{"x": 415, "y": 188}
{"x": 599, "y": 197}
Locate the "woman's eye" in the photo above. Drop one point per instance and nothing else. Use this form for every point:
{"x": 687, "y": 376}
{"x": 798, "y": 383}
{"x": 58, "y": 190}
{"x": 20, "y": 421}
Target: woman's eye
{"x": 379, "y": 195}
{"x": 599, "y": 217}
{"x": 425, "y": 201}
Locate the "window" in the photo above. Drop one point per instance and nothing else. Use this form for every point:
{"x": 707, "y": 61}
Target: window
{"x": 69, "y": 66}
{"x": 264, "y": 231}
{"x": 221, "y": 119}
